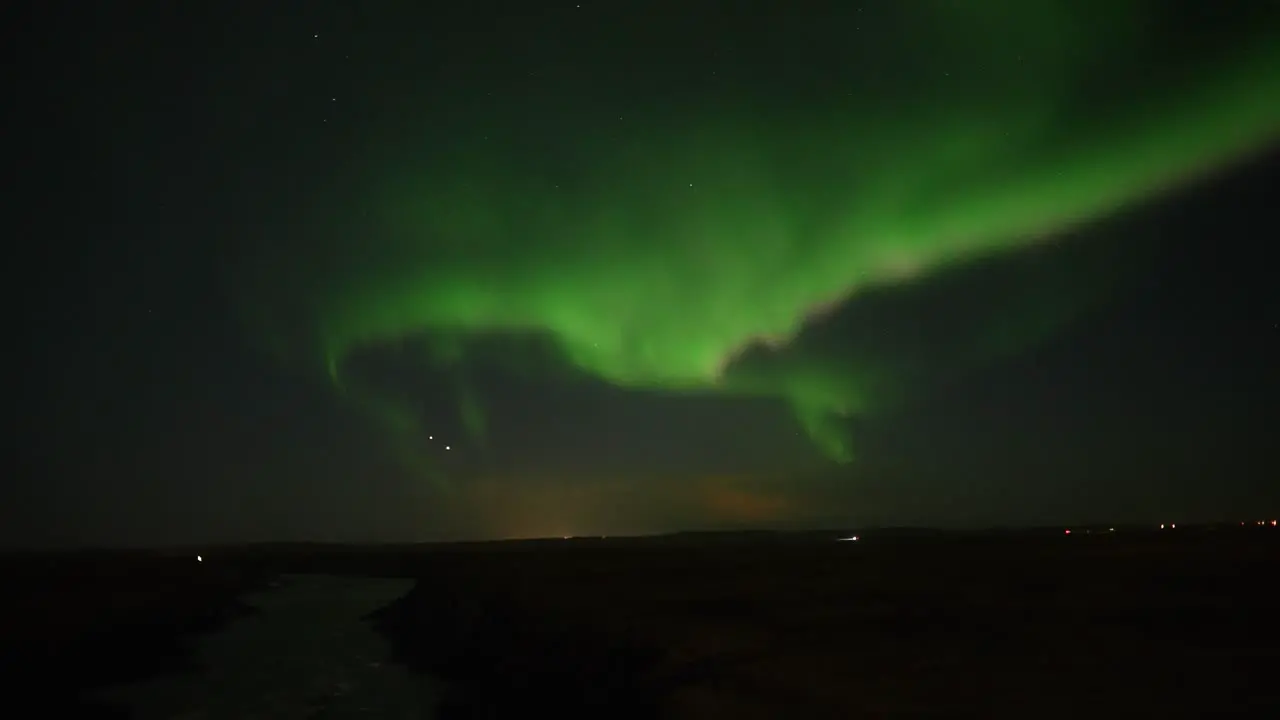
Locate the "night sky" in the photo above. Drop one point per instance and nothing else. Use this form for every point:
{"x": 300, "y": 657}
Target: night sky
{"x": 389, "y": 271}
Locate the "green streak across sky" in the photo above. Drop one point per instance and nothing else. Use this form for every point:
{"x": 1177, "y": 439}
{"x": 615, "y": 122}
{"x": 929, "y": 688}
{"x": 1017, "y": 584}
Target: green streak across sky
{"x": 657, "y": 251}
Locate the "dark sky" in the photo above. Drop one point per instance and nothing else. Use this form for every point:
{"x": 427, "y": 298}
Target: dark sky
{"x": 641, "y": 267}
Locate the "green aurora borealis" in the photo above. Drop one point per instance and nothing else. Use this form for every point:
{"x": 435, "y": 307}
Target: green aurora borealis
{"x": 689, "y": 248}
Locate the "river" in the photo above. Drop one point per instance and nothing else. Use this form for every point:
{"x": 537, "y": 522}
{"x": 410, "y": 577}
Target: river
{"x": 307, "y": 653}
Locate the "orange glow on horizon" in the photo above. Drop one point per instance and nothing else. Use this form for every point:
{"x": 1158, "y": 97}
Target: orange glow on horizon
{"x": 727, "y": 500}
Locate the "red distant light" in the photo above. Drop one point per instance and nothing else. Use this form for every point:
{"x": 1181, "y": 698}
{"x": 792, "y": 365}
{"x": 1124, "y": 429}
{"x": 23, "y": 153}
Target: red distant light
{"x": 1067, "y": 532}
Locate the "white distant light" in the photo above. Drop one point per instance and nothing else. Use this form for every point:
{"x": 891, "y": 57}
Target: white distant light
{"x": 1111, "y": 529}
{"x": 1161, "y": 526}
{"x": 1273, "y": 523}
{"x": 446, "y": 447}
{"x": 1173, "y": 525}
{"x": 431, "y": 437}
{"x": 851, "y": 538}
{"x": 199, "y": 559}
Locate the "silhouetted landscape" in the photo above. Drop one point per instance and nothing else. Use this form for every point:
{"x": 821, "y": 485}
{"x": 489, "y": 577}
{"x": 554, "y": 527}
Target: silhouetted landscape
{"x": 1107, "y": 622}
{"x": 807, "y": 287}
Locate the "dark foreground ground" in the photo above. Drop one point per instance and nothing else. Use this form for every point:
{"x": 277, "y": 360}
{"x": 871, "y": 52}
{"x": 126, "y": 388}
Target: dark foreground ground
{"x": 308, "y": 652}
{"x": 71, "y": 623}
{"x": 1119, "y": 624}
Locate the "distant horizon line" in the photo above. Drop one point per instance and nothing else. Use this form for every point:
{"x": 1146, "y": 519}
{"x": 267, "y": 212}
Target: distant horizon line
{"x": 835, "y": 531}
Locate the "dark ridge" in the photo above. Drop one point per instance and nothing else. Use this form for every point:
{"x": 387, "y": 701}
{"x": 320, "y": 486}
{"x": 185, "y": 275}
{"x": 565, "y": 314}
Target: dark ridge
{"x": 1133, "y": 622}
{"x": 497, "y": 660}
{"x": 1128, "y": 623}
